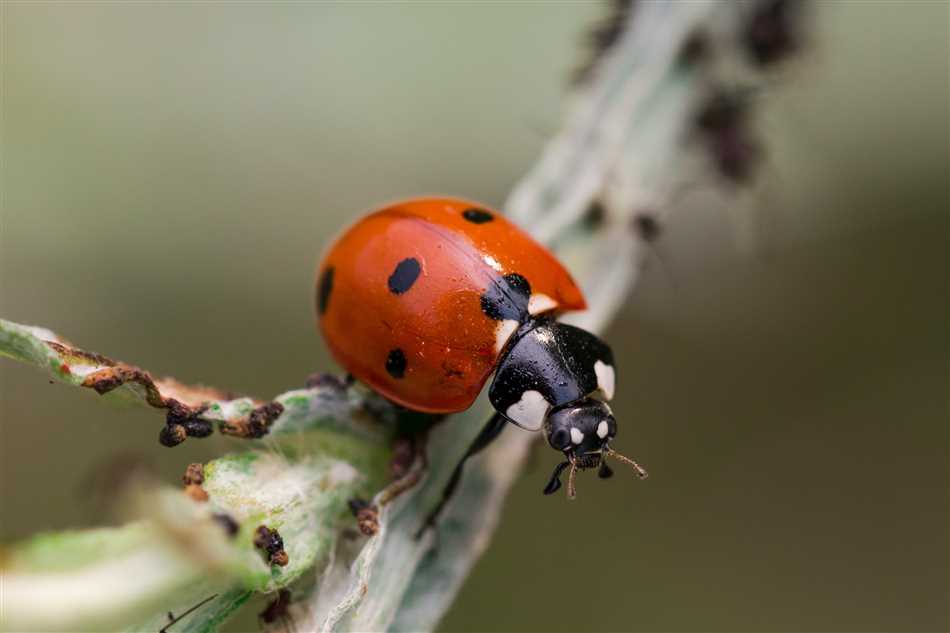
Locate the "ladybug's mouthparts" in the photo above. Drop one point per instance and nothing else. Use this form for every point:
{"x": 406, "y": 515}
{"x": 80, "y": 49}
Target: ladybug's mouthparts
{"x": 588, "y": 460}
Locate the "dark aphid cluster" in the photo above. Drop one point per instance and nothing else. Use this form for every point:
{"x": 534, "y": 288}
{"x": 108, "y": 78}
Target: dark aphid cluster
{"x": 256, "y": 425}
{"x": 770, "y": 32}
{"x": 181, "y": 422}
{"x": 724, "y": 124}
{"x": 270, "y": 541}
{"x": 262, "y": 417}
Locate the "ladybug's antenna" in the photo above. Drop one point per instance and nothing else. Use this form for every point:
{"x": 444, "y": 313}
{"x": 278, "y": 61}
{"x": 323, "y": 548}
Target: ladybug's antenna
{"x": 571, "y": 489}
{"x": 641, "y": 471}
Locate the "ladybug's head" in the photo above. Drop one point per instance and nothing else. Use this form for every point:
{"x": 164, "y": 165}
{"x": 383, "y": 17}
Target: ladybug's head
{"x": 583, "y": 431}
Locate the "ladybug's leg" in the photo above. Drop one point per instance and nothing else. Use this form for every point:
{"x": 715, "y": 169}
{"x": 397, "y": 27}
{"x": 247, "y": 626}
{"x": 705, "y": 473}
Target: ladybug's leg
{"x": 410, "y": 461}
{"x": 489, "y": 432}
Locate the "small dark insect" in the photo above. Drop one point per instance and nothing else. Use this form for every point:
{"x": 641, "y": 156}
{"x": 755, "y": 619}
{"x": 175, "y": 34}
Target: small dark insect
{"x": 772, "y": 32}
{"x": 227, "y": 523}
{"x": 172, "y": 619}
{"x": 194, "y": 474}
{"x": 277, "y": 609}
{"x": 604, "y": 36}
{"x": 172, "y": 435}
{"x": 596, "y": 214}
{"x": 696, "y": 48}
{"x": 256, "y": 425}
{"x": 646, "y": 225}
{"x": 367, "y": 516}
{"x": 183, "y": 421}
{"x": 193, "y": 478}
{"x": 724, "y": 109}
{"x": 723, "y": 121}
{"x": 262, "y": 417}
{"x": 188, "y": 417}
{"x": 270, "y": 541}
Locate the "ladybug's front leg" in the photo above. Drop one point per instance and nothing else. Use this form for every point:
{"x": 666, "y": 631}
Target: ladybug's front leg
{"x": 489, "y": 432}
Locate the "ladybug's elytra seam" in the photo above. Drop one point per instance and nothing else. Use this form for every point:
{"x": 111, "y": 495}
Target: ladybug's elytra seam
{"x": 507, "y": 298}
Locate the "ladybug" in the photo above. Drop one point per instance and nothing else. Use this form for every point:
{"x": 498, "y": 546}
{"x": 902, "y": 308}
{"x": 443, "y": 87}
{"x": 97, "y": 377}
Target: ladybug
{"x": 425, "y": 299}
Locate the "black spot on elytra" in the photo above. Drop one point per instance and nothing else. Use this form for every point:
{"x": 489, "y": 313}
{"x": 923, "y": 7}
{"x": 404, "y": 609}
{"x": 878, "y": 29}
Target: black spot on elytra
{"x": 396, "y": 363}
{"x": 477, "y": 216}
{"x": 507, "y": 298}
{"x": 324, "y": 290}
{"x": 405, "y": 274}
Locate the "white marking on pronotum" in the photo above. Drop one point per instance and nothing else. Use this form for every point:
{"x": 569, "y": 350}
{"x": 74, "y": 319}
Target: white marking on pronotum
{"x": 529, "y": 412}
{"x": 602, "y": 429}
{"x": 605, "y": 378}
{"x": 576, "y": 436}
{"x": 491, "y": 261}
{"x": 503, "y": 332}
{"x": 540, "y": 303}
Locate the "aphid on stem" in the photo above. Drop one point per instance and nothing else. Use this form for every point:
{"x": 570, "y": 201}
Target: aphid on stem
{"x": 723, "y": 122}
{"x": 277, "y": 609}
{"x": 772, "y": 32}
{"x": 269, "y": 540}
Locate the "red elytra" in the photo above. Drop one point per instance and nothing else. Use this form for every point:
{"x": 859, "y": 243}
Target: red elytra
{"x": 399, "y": 298}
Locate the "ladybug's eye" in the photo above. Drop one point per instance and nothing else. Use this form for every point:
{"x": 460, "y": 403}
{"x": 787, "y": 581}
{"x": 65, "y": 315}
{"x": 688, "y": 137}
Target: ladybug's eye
{"x": 560, "y": 439}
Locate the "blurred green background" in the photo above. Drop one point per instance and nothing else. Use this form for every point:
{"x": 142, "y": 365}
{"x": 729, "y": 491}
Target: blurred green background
{"x": 171, "y": 173}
